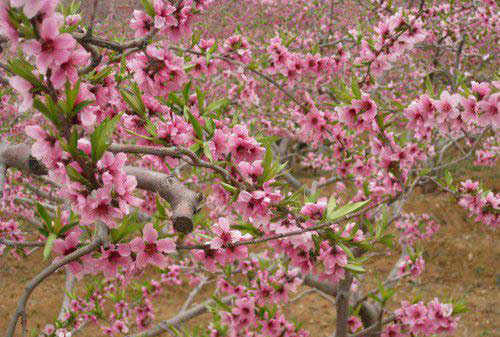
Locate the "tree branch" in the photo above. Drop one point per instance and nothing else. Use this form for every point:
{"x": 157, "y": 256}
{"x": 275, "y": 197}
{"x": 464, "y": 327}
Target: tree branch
{"x": 184, "y": 202}
{"x": 179, "y": 319}
{"x": 21, "y": 306}
{"x": 343, "y": 305}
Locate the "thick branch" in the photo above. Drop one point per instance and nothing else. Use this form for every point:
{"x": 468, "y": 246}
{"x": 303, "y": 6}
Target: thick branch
{"x": 343, "y": 306}
{"x": 184, "y": 202}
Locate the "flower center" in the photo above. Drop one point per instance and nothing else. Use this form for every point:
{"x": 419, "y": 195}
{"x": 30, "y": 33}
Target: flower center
{"x": 150, "y": 248}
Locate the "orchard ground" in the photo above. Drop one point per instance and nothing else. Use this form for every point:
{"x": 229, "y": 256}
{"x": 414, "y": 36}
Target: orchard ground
{"x": 462, "y": 261}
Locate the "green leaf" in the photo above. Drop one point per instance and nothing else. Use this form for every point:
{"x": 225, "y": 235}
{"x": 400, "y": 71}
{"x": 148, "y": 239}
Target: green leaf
{"x": 200, "y": 95}
{"x": 49, "y": 111}
{"x": 207, "y": 152}
{"x": 345, "y": 249}
{"x": 81, "y": 105}
{"x": 217, "y": 104}
{"x": 347, "y": 209}
{"x": 196, "y": 125}
{"x": 74, "y": 175}
{"x": 448, "y": 177}
{"x": 221, "y": 304}
{"x": 429, "y": 89}
{"x": 44, "y": 215}
{"x": 331, "y": 206}
{"x": 134, "y": 101}
{"x": 195, "y": 38}
{"x": 185, "y": 92}
{"x": 71, "y": 95}
{"x": 229, "y": 188}
{"x": 355, "y": 269}
{"x": 48, "y": 245}
{"x": 268, "y": 160}
{"x": 210, "y": 126}
{"x": 101, "y": 138}
{"x": 355, "y": 88}
{"x": 148, "y": 7}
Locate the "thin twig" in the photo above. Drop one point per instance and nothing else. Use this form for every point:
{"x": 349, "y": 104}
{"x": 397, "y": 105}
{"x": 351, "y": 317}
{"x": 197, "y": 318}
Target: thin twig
{"x": 192, "y": 294}
{"x": 288, "y": 234}
{"x": 11, "y": 243}
{"x": 3, "y": 174}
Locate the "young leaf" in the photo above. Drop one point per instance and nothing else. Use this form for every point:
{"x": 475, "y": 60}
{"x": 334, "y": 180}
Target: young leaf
{"x": 448, "y": 177}
{"x": 101, "y": 138}
{"x": 196, "y": 125}
{"x": 44, "y": 215}
{"x": 344, "y": 210}
{"x": 48, "y": 245}
{"x": 355, "y": 88}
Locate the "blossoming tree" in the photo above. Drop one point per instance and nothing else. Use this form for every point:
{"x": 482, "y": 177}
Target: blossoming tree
{"x": 168, "y": 147}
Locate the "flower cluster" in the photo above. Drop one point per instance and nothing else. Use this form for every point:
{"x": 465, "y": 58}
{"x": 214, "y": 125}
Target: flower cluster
{"x": 483, "y": 206}
{"x": 393, "y": 36}
{"x": 412, "y": 265}
{"x": 157, "y": 71}
{"x": 422, "y": 319}
{"x": 250, "y": 311}
{"x": 415, "y": 228}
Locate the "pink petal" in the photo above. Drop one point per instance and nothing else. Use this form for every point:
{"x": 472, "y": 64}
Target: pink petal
{"x": 35, "y": 132}
{"x": 216, "y": 243}
{"x": 142, "y": 259}
{"x": 43, "y": 61}
{"x": 166, "y": 245}
{"x": 137, "y": 244}
{"x": 32, "y": 47}
{"x": 150, "y": 234}
{"x": 58, "y": 78}
{"x": 49, "y": 29}
{"x": 32, "y": 7}
{"x": 124, "y": 249}
{"x": 159, "y": 260}
{"x": 64, "y": 41}
{"x": 20, "y": 84}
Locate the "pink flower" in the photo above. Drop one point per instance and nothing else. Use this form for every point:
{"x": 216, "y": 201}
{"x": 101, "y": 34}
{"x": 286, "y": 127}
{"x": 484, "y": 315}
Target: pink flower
{"x": 354, "y": 323}
{"x": 481, "y": 90}
{"x": 141, "y": 23}
{"x": 243, "y": 147}
{"x": 208, "y": 257}
{"x": 64, "y": 247}
{"x": 489, "y": 109}
{"x": 24, "y": 87}
{"x": 314, "y": 210}
{"x": 114, "y": 257}
{"x": 72, "y": 20}
{"x": 30, "y": 7}
{"x": 149, "y": 250}
{"x": 7, "y": 29}
{"x": 469, "y": 185}
{"x": 392, "y": 330}
{"x": 98, "y": 207}
{"x": 224, "y": 234}
{"x": 46, "y": 147}
{"x": 163, "y": 17}
{"x": 347, "y": 115}
{"x": 366, "y": 107}
{"x": 446, "y": 106}
{"x": 53, "y": 49}
{"x": 252, "y": 171}
{"x": 218, "y": 144}
{"x": 67, "y": 70}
